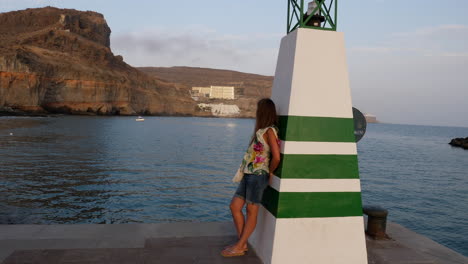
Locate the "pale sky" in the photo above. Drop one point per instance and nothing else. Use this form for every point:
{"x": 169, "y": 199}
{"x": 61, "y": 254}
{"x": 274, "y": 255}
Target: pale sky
{"x": 408, "y": 60}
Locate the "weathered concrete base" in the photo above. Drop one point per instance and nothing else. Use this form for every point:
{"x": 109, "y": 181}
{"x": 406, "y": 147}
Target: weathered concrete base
{"x": 408, "y": 247}
{"x": 180, "y": 243}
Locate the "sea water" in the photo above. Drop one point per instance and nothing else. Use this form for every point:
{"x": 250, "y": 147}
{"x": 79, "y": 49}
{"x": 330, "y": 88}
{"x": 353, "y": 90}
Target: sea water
{"x": 72, "y": 169}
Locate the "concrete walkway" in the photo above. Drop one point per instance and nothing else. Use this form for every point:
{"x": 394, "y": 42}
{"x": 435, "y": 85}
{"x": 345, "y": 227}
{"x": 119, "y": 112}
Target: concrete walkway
{"x": 116, "y": 244}
{"x": 180, "y": 243}
{"x": 409, "y": 247}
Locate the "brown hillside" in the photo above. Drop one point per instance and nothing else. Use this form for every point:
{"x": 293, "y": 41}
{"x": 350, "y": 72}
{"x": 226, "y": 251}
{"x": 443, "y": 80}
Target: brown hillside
{"x": 249, "y": 85}
{"x": 59, "y": 60}
{"x": 249, "y": 88}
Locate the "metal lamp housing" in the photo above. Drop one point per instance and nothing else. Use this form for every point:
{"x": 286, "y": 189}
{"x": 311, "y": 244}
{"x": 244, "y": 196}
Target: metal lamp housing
{"x": 319, "y": 14}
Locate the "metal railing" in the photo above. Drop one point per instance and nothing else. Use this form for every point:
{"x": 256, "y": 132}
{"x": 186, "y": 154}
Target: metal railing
{"x": 323, "y": 15}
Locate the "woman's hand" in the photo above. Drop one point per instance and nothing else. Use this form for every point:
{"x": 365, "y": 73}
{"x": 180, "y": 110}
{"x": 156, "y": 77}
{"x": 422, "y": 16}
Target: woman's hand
{"x": 270, "y": 178}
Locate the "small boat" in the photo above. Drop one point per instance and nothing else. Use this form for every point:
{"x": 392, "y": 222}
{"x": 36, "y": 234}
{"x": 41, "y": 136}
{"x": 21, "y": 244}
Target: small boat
{"x": 140, "y": 119}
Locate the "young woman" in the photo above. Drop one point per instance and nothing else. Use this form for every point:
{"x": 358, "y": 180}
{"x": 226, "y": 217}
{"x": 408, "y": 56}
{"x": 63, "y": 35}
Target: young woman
{"x": 260, "y": 161}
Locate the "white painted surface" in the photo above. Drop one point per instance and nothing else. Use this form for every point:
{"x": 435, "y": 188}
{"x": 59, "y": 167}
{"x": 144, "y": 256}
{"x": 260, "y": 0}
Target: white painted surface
{"x": 312, "y": 80}
{"x": 314, "y": 63}
{"x": 316, "y": 185}
{"x": 318, "y": 148}
{"x": 263, "y": 237}
{"x": 335, "y": 240}
{"x": 284, "y": 73}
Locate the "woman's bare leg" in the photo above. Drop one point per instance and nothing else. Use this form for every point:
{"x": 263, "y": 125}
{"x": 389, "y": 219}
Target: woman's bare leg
{"x": 252, "y": 213}
{"x": 237, "y": 216}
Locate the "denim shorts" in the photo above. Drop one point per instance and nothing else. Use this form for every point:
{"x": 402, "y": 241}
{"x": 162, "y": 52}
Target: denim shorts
{"x": 251, "y": 188}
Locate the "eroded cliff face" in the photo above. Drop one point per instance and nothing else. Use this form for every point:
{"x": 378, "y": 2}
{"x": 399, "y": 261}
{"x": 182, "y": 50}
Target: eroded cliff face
{"x": 59, "y": 60}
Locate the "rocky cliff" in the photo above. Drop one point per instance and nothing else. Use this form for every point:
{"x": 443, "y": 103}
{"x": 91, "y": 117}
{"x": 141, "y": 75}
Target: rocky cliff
{"x": 59, "y": 60}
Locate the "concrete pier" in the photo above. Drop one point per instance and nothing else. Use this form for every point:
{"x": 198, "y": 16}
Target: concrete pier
{"x": 181, "y": 243}
{"x": 118, "y": 244}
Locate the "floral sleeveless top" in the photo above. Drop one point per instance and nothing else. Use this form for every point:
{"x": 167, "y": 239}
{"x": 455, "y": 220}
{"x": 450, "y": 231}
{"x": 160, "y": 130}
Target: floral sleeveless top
{"x": 257, "y": 158}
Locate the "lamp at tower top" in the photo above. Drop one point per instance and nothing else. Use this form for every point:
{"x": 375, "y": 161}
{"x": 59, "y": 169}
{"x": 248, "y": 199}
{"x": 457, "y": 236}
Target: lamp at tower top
{"x": 317, "y": 14}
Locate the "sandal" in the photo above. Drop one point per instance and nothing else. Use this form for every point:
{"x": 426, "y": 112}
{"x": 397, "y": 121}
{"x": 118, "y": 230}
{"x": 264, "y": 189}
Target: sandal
{"x": 230, "y": 246}
{"x": 228, "y": 252}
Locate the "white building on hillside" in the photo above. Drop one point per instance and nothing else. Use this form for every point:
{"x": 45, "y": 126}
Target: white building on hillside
{"x": 218, "y": 92}
{"x": 201, "y": 91}
{"x": 371, "y": 118}
{"x": 222, "y": 92}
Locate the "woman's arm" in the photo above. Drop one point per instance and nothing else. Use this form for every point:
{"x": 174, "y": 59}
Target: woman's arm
{"x": 275, "y": 151}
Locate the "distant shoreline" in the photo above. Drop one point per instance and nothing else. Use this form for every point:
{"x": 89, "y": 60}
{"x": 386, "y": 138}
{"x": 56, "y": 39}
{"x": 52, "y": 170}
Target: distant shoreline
{"x": 25, "y": 114}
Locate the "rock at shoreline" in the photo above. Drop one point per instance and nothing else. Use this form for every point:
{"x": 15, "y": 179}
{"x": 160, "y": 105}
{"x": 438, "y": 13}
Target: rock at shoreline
{"x": 59, "y": 61}
{"x": 460, "y": 142}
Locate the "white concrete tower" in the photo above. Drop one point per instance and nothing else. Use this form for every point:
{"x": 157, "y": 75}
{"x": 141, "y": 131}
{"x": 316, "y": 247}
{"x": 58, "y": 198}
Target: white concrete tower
{"x": 312, "y": 213}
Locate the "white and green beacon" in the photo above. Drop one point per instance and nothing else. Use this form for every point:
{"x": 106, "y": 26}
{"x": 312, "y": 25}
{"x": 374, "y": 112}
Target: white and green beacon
{"x": 312, "y": 212}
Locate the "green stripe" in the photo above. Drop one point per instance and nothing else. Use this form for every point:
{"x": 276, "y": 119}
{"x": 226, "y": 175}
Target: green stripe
{"x": 316, "y": 129}
{"x": 311, "y": 205}
{"x": 294, "y": 166}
